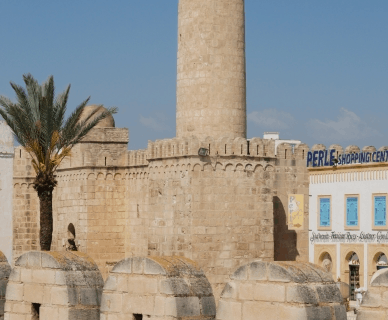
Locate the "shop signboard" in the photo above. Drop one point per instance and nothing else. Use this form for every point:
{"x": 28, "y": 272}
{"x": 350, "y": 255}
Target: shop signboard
{"x": 295, "y": 211}
{"x": 326, "y": 158}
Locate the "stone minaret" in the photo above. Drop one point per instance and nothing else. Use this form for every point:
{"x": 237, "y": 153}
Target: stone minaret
{"x": 211, "y": 84}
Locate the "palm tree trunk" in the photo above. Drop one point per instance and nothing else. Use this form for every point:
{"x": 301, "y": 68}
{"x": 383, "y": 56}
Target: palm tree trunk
{"x": 46, "y": 219}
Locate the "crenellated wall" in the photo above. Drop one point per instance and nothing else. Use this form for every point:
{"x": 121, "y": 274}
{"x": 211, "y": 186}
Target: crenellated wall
{"x": 221, "y": 210}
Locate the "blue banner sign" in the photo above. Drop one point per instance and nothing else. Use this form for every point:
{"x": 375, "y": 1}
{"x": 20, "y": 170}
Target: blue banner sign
{"x": 380, "y": 211}
{"x": 324, "y": 212}
{"x": 324, "y": 158}
{"x": 351, "y": 211}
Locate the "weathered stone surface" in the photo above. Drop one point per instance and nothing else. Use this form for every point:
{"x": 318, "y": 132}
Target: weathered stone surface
{"x": 208, "y": 306}
{"x": 257, "y": 271}
{"x": 240, "y": 274}
{"x": 284, "y": 290}
{"x": 367, "y": 314}
{"x": 278, "y": 273}
{"x": 5, "y": 275}
{"x": 123, "y": 266}
{"x": 321, "y": 313}
{"x": 328, "y": 293}
{"x": 340, "y": 312}
{"x": 164, "y": 288}
{"x": 302, "y": 294}
{"x": 372, "y": 299}
{"x": 374, "y": 304}
{"x": 66, "y": 285}
{"x": 380, "y": 279}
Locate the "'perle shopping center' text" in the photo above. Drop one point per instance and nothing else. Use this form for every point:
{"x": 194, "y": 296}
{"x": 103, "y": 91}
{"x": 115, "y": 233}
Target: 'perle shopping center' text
{"x": 323, "y": 158}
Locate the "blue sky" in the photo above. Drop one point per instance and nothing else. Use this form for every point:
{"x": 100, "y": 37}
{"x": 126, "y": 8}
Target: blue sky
{"x": 316, "y": 70}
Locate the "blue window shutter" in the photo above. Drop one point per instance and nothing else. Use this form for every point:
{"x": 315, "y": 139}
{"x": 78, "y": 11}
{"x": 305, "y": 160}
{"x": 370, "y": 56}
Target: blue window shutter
{"x": 380, "y": 206}
{"x": 352, "y": 211}
{"x": 324, "y": 212}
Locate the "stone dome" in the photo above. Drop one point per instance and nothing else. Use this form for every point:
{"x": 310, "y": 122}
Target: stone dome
{"x": 108, "y": 122}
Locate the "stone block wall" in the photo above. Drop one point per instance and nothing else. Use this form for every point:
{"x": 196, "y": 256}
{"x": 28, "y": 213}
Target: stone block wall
{"x": 93, "y": 201}
{"x": 6, "y": 190}
{"x": 53, "y": 285}
{"x": 291, "y": 177}
{"x": 281, "y": 290}
{"x": 218, "y": 214}
{"x": 5, "y": 270}
{"x": 221, "y": 210}
{"x": 157, "y": 288}
{"x": 25, "y": 205}
{"x": 375, "y": 302}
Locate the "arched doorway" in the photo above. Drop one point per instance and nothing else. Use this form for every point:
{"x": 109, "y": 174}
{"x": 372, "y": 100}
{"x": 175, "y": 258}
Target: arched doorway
{"x": 354, "y": 273}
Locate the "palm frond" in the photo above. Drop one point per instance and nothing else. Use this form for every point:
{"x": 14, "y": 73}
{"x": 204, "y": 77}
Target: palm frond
{"x": 37, "y": 120}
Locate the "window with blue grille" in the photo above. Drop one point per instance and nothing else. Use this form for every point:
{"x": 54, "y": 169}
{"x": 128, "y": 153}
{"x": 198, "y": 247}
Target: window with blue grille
{"x": 324, "y": 212}
{"x": 380, "y": 208}
{"x": 352, "y": 211}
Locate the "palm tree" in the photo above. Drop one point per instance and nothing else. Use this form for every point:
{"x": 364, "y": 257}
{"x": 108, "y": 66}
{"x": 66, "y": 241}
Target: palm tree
{"x": 38, "y": 122}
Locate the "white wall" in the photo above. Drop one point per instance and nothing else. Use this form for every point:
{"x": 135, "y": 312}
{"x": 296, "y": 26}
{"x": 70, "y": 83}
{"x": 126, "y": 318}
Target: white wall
{"x": 6, "y": 189}
{"x": 364, "y": 185}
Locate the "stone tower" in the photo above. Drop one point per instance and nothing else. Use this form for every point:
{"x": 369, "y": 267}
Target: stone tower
{"x": 211, "y": 83}
{"x": 222, "y": 210}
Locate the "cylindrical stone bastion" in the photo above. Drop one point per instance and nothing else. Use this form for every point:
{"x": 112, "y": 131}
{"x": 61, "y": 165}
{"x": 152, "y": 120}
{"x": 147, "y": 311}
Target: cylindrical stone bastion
{"x": 211, "y": 82}
{"x": 280, "y": 291}
{"x": 54, "y": 285}
{"x": 157, "y": 288}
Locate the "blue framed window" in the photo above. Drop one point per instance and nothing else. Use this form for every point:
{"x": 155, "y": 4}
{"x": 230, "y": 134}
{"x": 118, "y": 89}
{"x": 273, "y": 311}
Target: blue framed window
{"x": 324, "y": 212}
{"x": 380, "y": 211}
{"x": 352, "y": 211}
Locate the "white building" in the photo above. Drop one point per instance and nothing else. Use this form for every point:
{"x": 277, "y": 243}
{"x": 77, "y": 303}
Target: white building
{"x": 6, "y": 188}
{"x": 347, "y": 211}
{"x": 276, "y": 136}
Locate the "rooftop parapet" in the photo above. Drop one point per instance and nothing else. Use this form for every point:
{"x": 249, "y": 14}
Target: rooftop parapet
{"x": 225, "y": 146}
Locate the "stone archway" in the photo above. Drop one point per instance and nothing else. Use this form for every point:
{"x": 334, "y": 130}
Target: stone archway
{"x": 160, "y": 288}
{"x": 54, "y": 285}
